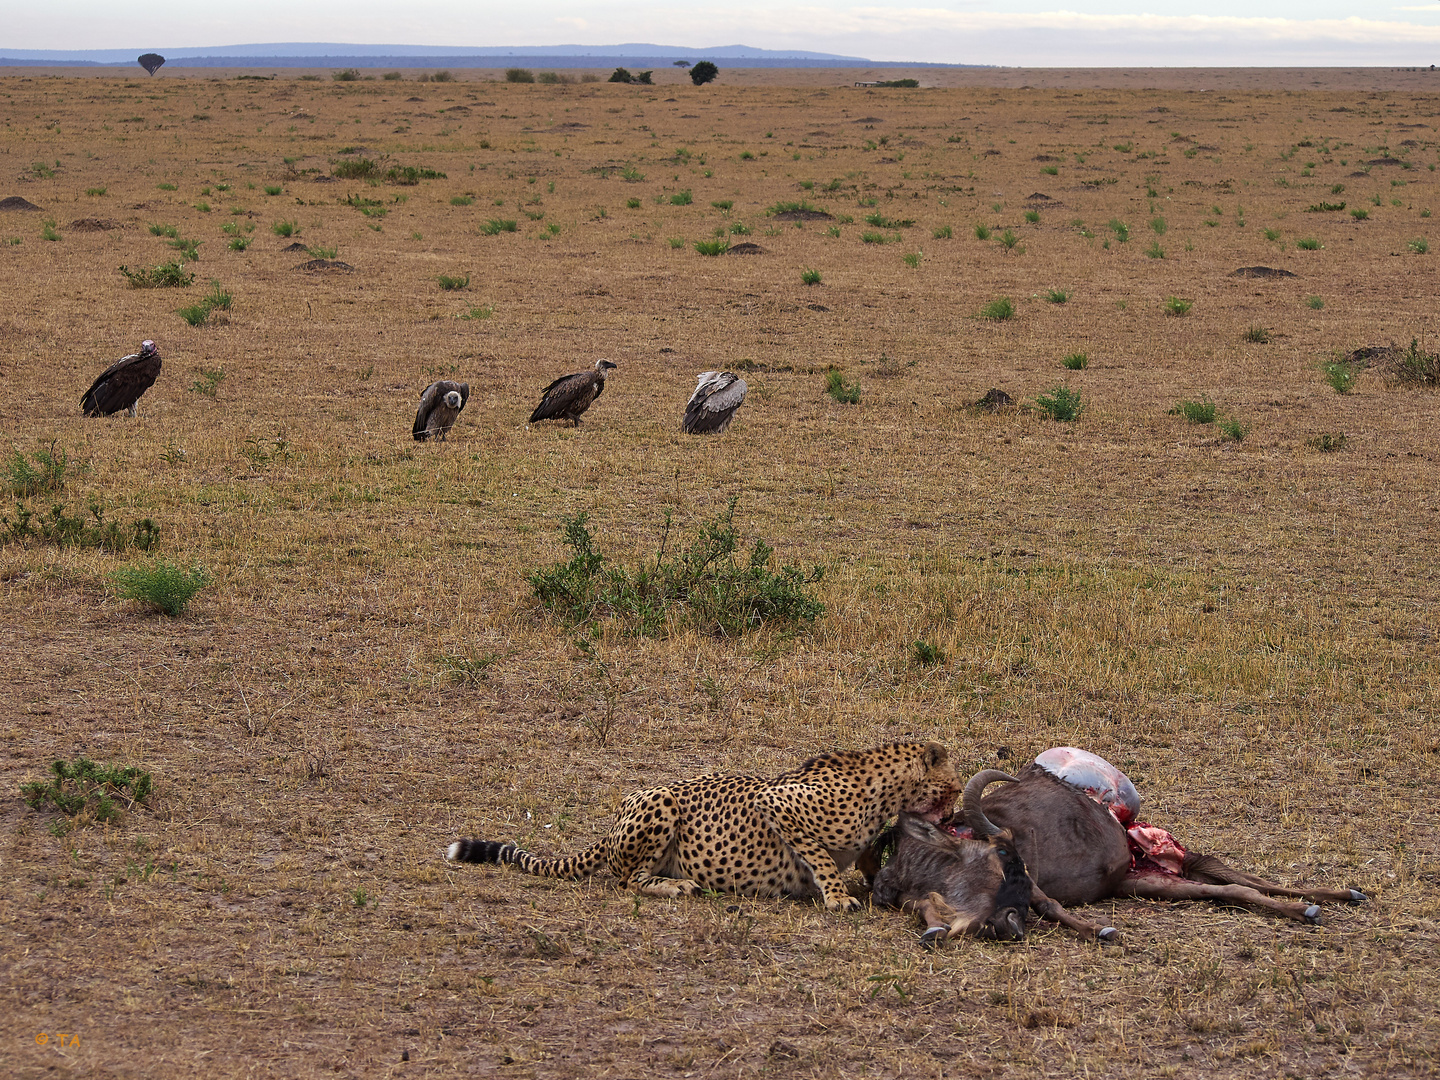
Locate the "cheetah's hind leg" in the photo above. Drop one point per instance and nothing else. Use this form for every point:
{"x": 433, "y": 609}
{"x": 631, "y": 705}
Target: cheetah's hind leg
{"x": 644, "y": 846}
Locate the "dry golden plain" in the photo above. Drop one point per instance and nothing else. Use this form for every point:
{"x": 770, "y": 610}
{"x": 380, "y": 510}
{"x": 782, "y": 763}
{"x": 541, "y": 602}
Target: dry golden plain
{"x": 1248, "y": 628}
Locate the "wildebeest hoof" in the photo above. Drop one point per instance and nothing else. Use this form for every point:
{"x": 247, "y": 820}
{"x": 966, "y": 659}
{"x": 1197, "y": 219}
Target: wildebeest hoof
{"x": 1357, "y": 897}
{"x": 933, "y": 937}
{"x": 1312, "y": 914}
{"x": 1109, "y": 935}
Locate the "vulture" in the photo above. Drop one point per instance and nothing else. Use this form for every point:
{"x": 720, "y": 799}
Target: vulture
{"x": 711, "y": 408}
{"x": 566, "y": 398}
{"x": 121, "y": 384}
{"x": 440, "y": 407}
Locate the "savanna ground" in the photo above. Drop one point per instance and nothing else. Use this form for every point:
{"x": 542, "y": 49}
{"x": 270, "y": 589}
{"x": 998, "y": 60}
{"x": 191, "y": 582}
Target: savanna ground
{"x": 1248, "y": 626}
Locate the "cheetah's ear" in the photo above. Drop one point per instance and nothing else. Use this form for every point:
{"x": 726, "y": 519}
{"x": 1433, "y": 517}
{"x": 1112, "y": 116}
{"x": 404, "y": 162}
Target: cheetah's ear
{"x": 935, "y": 754}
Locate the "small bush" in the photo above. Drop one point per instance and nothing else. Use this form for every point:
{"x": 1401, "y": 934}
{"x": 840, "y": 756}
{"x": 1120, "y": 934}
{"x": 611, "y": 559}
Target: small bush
{"x": 712, "y": 247}
{"x": 1057, "y": 296}
{"x": 452, "y": 284}
{"x": 1158, "y": 225}
{"x": 315, "y": 251}
{"x": 982, "y": 232}
{"x": 160, "y": 584}
{"x": 1061, "y": 404}
{"x": 703, "y": 72}
{"x": 1419, "y": 245}
{"x": 927, "y": 655}
{"x": 1315, "y": 303}
{"x": 209, "y": 381}
{"x": 238, "y": 243}
{"x": 703, "y": 585}
{"x": 286, "y": 228}
{"x": 911, "y": 259}
{"x": 217, "y": 299}
{"x": 1008, "y": 240}
{"x": 1419, "y": 366}
{"x": 846, "y": 393}
{"x": 1309, "y": 243}
{"x": 1196, "y": 412}
{"x": 682, "y": 198}
{"x": 87, "y": 791}
{"x": 164, "y": 230}
{"x": 72, "y": 530}
{"x": 810, "y": 277}
{"x": 1359, "y": 214}
{"x": 1121, "y": 231}
{"x": 1077, "y": 361}
{"x": 1327, "y": 443}
{"x": 1257, "y": 335}
{"x": 1032, "y": 216}
{"x": 346, "y": 75}
{"x": 355, "y": 169}
{"x": 169, "y": 275}
{"x": 410, "y": 175}
{"x": 273, "y": 189}
{"x": 998, "y": 310}
{"x": 1232, "y": 429}
{"x": 495, "y": 226}
{"x": 1177, "y": 307}
{"x": 519, "y": 75}
{"x": 44, "y": 470}
{"x": 1155, "y": 251}
{"x": 944, "y": 232}
{"x": 1272, "y": 234}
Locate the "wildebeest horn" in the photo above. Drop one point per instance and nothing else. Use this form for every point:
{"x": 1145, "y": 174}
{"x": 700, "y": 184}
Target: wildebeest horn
{"x": 980, "y": 825}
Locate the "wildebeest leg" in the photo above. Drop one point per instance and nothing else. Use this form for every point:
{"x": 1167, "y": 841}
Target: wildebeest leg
{"x": 1167, "y": 887}
{"x": 1051, "y": 910}
{"x": 1209, "y": 869}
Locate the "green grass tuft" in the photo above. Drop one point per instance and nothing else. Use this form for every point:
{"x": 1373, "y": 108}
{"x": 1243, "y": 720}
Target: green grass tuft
{"x": 160, "y": 584}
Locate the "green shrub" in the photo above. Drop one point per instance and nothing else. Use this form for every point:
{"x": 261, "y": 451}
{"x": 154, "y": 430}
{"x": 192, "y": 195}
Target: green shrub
{"x": 1008, "y": 240}
{"x": 1257, "y": 335}
{"x": 927, "y": 655}
{"x": 1232, "y": 429}
{"x": 1121, "y": 231}
{"x": 164, "y": 230}
{"x": 1057, "y": 296}
{"x": 346, "y": 75}
{"x": 160, "y": 584}
{"x": 703, "y": 585}
{"x": 1077, "y": 361}
{"x": 681, "y": 198}
{"x": 1157, "y": 224}
{"x": 169, "y": 275}
{"x": 703, "y": 72}
{"x": 712, "y": 247}
{"x": 217, "y": 299}
{"x": 846, "y": 393}
{"x": 982, "y": 232}
{"x": 452, "y": 284}
{"x": 1309, "y": 243}
{"x": 87, "y": 791}
{"x": 495, "y": 226}
{"x": 1061, "y": 404}
{"x": 1359, "y": 214}
{"x": 519, "y": 75}
{"x": 44, "y": 470}
{"x": 355, "y": 169}
{"x": 1419, "y": 366}
{"x": 1177, "y": 307}
{"x": 1032, "y": 216}
{"x": 810, "y": 277}
{"x": 1196, "y": 412}
{"x": 998, "y": 310}
{"x": 273, "y": 189}
{"x": 208, "y": 384}
{"x": 1327, "y": 443}
{"x": 911, "y": 259}
{"x": 1419, "y": 245}
{"x": 1315, "y": 303}
{"x": 286, "y": 228}
{"x": 944, "y": 232}
{"x": 410, "y": 175}
{"x": 72, "y": 530}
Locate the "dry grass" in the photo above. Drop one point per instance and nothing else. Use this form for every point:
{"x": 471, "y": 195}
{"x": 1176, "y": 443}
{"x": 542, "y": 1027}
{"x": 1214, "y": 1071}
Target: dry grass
{"x": 1248, "y": 629}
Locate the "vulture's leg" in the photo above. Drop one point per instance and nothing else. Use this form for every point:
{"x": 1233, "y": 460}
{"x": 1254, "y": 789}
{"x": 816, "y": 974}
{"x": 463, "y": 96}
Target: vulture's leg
{"x": 134, "y": 409}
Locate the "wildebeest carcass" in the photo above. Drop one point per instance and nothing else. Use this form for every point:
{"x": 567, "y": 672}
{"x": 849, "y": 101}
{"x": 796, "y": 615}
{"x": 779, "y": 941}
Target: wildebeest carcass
{"x": 1070, "y": 816}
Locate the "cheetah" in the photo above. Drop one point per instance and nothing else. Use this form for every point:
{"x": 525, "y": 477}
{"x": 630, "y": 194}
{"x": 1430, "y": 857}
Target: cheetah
{"x": 790, "y": 836}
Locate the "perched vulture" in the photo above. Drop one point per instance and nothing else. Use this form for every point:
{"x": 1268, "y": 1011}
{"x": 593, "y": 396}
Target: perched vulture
{"x": 440, "y": 407}
{"x": 121, "y": 384}
{"x": 566, "y": 398}
{"x": 712, "y": 406}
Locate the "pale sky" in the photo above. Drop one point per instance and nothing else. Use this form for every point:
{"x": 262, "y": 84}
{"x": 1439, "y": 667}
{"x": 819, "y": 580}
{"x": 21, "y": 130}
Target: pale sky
{"x": 1020, "y": 33}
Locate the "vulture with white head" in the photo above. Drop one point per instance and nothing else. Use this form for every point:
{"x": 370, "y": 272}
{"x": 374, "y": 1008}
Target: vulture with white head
{"x": 567, "y": 397}
{"x": 440, "y": 407}
{"x": 121, "y": 384}
{"x": 712, "y": 406}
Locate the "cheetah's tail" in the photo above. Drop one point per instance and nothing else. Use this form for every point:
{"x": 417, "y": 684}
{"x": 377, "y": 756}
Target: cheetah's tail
{"x": 583, "y": 865}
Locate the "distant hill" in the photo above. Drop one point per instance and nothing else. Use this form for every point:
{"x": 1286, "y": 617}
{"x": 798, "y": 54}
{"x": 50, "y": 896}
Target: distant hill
{"x": 332, "y": 54}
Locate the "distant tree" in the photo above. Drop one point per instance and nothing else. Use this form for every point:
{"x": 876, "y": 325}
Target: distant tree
{"x": 681, "y": 63}
{"x": 516, "y": 75}
{"x": 151, "y": 62}
{"x": 644, "y": 77}
{"x": 703, "y": 72}
{"x": 622, "y": 75}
